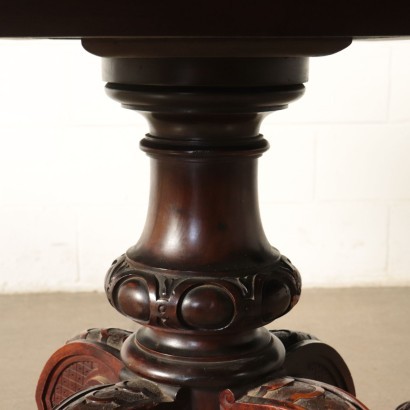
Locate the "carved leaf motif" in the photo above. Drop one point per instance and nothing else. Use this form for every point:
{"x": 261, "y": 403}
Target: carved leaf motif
{"x": 127, "y": 395}
{"x": 292, "y": 394}
{"x": 112, "y": 337}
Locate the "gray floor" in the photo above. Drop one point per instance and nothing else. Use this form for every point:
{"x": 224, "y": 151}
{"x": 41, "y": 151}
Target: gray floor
{"x": 369, "y": 327}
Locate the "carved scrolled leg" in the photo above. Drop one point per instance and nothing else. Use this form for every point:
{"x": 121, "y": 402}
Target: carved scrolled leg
{"x": 309, "y": 358}
{"x": 91, "y": 358}
{"x": 288, "y": 393}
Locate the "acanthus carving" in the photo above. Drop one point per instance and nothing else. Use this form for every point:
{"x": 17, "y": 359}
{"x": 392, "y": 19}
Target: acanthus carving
{"x": 289, "y": 393}
{"x": 179, "y": 301}
{"x": 128, "y": 395}
{"x": 112, "y": 337}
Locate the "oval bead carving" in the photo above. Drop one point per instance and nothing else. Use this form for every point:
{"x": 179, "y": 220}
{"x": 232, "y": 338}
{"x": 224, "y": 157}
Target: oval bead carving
{"x": 207, "y": 307}
{"x": 133, "y": 299}
{"x": 276, "y": 299}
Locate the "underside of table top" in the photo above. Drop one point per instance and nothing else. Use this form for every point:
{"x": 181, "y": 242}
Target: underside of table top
{"x": 204, "y": 18}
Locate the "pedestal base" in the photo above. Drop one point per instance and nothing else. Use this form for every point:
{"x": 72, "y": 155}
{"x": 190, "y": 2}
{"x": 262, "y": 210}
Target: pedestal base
{"x": 202, "y": 280}
{"x": 87, "y": 373}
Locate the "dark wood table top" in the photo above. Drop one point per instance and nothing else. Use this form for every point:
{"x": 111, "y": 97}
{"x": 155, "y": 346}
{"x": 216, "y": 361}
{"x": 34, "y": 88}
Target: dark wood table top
{"x": 204, "y": 18}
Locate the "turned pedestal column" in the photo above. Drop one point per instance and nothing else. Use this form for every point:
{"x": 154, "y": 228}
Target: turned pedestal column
{"x": 203, "y": 279}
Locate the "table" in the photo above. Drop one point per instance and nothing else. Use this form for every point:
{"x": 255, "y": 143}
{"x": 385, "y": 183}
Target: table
{"x": 202, "y": 279}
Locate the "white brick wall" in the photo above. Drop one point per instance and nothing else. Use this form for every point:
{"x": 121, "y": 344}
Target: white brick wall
{"x": 335, "y": 186}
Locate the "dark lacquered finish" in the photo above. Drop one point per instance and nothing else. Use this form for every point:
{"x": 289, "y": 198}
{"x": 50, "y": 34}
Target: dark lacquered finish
{"x": 202, "y": 280}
